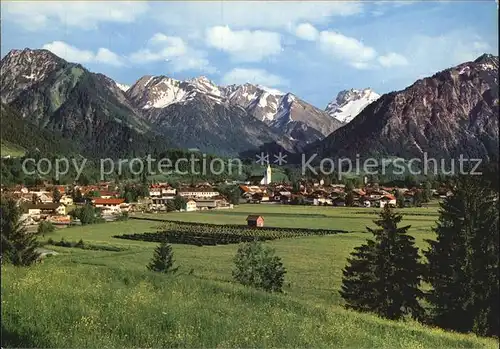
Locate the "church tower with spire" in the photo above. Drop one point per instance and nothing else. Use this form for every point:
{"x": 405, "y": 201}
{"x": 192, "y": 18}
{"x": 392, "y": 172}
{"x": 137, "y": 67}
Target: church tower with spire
{"x": 268, "y": 174}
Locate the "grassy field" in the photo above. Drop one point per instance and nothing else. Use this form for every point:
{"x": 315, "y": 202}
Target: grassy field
{"x": 351, "y": 219}
{"x": 84, "y": 298}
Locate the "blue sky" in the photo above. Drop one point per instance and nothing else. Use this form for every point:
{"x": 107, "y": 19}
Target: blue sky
{"x": 311, "y": 49}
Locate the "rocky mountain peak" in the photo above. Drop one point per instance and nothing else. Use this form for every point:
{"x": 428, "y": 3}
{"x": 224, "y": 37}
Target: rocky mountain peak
{"x": 451, "y": 113}
{"x": 123, "y": 87}
{"x": 155, "y": 92}
{"x": 350, "y": 103}
{"x": 486, "y": 58}
{"x": 21, "y": 69}
{"x": 205, "y": 85}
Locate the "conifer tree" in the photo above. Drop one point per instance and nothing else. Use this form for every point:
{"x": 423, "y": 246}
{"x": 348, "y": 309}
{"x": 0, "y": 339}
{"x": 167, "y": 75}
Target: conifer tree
{"x": 485, "y": 261}
{"x": 17, "y": 245}
{"x": 383, "y": 275}
{"x": 463, "y": 260}
{"x": 163, "y": 259}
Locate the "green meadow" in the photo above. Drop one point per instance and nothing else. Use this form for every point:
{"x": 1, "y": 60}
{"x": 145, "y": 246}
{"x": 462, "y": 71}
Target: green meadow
{"x": 84, "y": 298}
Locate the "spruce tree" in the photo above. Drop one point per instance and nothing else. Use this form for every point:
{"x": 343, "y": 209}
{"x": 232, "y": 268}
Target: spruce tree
{"x": 17, "y": 245}
{"x": 463, "y": 260}
{"x": 163, "y": 259}
{"x": 485, "y": 263}
{"x": 383, "y": 275}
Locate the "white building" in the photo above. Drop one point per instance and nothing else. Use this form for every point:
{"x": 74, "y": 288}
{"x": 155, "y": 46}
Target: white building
{"x": 168, "y": 191}
{"x": 191, "y": 206}
{"x": 66, "y": 200}
{"x": 198, "y": 193}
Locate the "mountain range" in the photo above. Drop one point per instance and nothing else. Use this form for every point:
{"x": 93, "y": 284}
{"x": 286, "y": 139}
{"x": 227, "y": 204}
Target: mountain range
{"x": 452, "y": 112}
{"x": 105, "y": 116}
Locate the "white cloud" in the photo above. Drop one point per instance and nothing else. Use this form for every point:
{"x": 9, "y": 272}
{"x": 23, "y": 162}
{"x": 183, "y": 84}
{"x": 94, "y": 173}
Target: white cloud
{"x": 193, "y": 63}
{"x": 175, "y": 51}
{"x": 73, "y": 54}
{"x": 306, "y": 31}
{"x": 446, "y": 50}
{"x": 392, "y": 59}
{"x": 254, "y": 14}
{"x": 429, "y": 54}
{"x": 161, "y": 47}
{"x": 244, "y": 45}
{"x": 254, "y": 76}
{"x": 349, "y": 49}
{"x": 108, "y": 57}
{"x": 35, "y": 15}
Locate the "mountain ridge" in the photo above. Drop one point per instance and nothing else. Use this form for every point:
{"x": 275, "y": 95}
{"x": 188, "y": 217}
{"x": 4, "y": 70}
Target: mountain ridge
{"x": 451, "y": 113}
{"x": 448, "y": 113}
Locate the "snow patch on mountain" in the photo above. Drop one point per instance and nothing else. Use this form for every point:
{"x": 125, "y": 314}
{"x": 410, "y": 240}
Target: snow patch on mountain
{"x": 271, "y": 90}
{"x": 349, "y": 103}
{"x": 123, "y": 87}
{"x": 161, "y": 91}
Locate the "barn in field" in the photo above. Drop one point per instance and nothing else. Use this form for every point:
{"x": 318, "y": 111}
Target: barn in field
{"x": 255, "y": 221}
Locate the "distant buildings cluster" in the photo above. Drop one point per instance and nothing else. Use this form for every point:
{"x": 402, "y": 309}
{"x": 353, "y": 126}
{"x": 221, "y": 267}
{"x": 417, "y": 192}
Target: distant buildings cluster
{"x": 38, "y": 203}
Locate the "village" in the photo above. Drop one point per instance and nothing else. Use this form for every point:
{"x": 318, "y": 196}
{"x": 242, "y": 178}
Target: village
{"x": 55, "y": 203}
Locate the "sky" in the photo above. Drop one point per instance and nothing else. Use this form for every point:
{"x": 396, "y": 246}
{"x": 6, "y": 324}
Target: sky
{"x": 312, "y": 49}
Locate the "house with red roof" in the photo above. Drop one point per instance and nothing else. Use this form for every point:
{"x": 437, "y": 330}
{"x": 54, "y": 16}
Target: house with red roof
{"x": 110, "y": 202}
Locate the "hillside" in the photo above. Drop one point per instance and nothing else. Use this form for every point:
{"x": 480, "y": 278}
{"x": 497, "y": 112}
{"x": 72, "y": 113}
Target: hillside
{"x": 88, "y": 110}
{"x": 184, "y": 311}
{"x": 104, "y": 118}
{"x": 19, "y": 133}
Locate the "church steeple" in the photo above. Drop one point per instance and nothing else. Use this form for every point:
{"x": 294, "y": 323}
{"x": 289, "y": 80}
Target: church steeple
{"x": 268, "y": 174}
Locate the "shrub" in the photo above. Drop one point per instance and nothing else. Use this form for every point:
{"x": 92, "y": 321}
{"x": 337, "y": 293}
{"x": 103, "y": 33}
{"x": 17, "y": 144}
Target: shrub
{"x": 257, "y": 266}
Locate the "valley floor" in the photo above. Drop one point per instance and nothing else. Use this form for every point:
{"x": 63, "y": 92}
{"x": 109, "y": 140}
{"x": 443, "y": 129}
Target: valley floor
{"x": 83, "y": 298}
